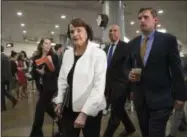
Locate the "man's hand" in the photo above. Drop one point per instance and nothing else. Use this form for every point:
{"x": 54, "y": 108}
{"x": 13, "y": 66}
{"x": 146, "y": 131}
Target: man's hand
{"x": 178, "y": 104}
{"x": 132, "y": 76}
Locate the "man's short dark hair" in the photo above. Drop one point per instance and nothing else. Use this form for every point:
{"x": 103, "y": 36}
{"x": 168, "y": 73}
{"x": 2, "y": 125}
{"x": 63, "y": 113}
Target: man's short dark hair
{"x": 57, "y": 46}
{"x": 153, "y": 11}
{"x": 2, "y": 48}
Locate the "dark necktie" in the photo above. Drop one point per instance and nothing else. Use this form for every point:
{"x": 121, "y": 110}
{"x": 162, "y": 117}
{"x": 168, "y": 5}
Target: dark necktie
{"x": 110, "y": 53}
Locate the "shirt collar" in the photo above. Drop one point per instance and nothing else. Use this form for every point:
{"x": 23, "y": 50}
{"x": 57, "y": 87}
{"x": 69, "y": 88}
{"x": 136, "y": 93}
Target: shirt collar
{"x": 115, "y": 43}
{"x": 150, "y": 36}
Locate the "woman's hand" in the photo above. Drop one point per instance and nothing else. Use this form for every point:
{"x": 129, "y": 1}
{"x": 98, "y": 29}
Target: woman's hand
{"x": 58, "y": 110}
{"x": 41, "y": 71}
{"x": 80, "y": 121}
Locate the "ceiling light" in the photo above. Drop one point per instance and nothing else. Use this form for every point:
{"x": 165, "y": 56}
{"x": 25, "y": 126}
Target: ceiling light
{"x": 132, "y": 22}
{"x": 52, "y": 32}
{"x": 162, "y": 30}
{"x": 56, "y": 26}
{"x": 19, "y": 13}
{"x": 53, "y": 44}
{"x": 159, "y": 25}
{"x": 137, "y": 31}
{"x": 24, "y": 31}
{"x": 160, "y": 11}
{"x": 63, "y": 17}
{"x": 22, "y": 25}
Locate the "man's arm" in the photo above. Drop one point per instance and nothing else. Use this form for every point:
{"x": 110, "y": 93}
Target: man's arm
{"x": 128, "y": 62}
{"x": 176, "y": 70}
{"x": 8, "y": 69}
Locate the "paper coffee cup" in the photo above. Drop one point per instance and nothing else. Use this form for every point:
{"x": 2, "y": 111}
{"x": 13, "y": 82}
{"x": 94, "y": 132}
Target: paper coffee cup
{"x": 137, "y": 70}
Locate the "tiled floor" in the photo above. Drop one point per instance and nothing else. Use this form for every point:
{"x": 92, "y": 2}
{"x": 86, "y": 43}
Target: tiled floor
{"x": 17, "y": 122}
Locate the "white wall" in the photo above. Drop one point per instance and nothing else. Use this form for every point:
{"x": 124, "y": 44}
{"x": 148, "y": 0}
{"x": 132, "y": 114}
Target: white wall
{"x": 28, "y": 47}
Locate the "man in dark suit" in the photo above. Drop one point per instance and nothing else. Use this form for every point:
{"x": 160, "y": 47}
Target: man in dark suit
{"x": 59, "y": 49}
{"x": 6, "y": 77}
{"x": 161, "y": 85}
{"x": 117, "y": 84}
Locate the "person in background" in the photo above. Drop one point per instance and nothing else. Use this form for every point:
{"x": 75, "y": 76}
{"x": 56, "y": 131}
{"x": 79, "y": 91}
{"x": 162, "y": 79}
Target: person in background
{"x": 6, "y": 77}
{"x": 117, "y": 84}
{"x": 14, "y": 83}
{"x": 27, "y": 66}
{"x": 47, "y": 84}
{"x": 83, "y": 72}
{"x": 22, "y": 80}
{"x": 178, "y": 120}
{"x": 26, "y": 59}
{"x": 155, "y": 70}
{"x": 13, "y": 59}
{"x": 59, "y": 49}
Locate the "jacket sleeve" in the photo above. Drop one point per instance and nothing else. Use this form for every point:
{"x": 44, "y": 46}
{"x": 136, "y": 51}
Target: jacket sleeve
{"x": 62, "y": 84}
{"x": 33, "y": 71}
{"x": 128, "y": 62}
{"x": 96, "y": 97}
{"x": 176, "y": 70}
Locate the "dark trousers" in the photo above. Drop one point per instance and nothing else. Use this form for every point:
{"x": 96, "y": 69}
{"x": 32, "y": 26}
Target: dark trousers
{"x": 118, "y": 113}
{"x": 43, "y": 105}
{"x": 91, "y": 129}
{"x": 5, "y": 92}
{"x": 153, "y": 122}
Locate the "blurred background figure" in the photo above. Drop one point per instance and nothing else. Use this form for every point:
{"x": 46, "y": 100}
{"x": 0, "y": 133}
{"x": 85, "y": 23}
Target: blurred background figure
{"x": 22, "y": 80}
{"x": 59, "y": 49}
{"x": 6, "y": 79}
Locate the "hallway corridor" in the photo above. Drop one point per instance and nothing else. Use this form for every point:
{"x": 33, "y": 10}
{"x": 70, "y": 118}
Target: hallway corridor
{"x": 17, "y": 122}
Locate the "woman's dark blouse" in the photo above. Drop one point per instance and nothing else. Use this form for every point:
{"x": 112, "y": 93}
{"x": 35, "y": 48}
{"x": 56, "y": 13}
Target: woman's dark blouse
{"x": 70, "y": 81}
{"x": 49, "y": 79}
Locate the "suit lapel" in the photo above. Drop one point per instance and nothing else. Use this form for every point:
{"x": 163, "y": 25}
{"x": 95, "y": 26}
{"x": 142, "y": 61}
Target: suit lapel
{"x": 116, "y": 53}
{"x": 154, "y": 47}
{"x": 138, "y": 58}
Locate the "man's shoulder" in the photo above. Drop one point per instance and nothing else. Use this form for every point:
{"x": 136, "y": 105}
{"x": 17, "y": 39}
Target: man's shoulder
{"x": 123, "y": 46}
{"x": 137, "y": 38}
{"x": 122, "y": 43}
{"x": 166, "y": 35}
{"x": 4, "y": 57}
{"x": 106, "y": 48}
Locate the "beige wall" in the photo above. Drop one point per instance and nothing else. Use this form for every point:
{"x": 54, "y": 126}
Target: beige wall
{"x": 29, "y": 48}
